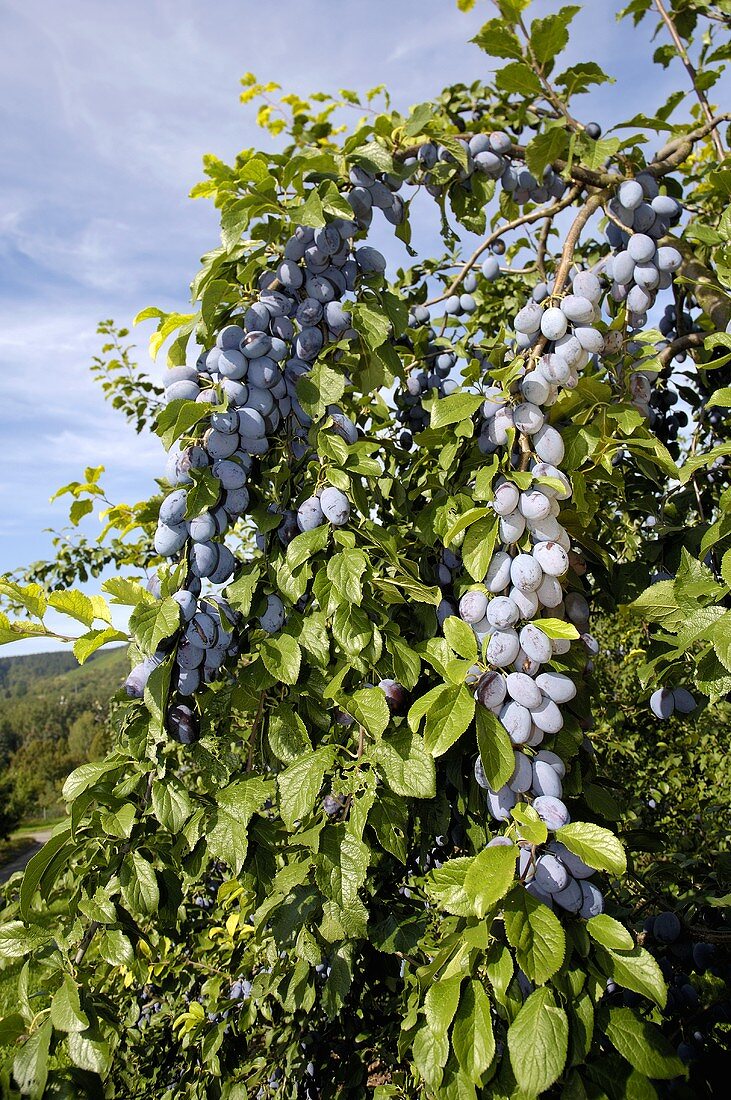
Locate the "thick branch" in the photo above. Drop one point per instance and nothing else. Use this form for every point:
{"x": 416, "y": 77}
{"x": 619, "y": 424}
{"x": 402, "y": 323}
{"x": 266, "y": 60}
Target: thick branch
{"x": 691, "y": 71}
{"x": 683, "y": 343}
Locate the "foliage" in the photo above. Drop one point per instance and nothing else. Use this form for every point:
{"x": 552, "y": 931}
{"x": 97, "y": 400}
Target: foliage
{"x": 303, "y": 900}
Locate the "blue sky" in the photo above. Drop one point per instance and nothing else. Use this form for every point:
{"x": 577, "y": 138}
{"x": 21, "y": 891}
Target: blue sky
{"x": 106, "y": 112}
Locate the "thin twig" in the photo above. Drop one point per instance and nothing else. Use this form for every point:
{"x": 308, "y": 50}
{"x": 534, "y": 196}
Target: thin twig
{"x": 524, "y": 219}
{"x": 691, "y": 71}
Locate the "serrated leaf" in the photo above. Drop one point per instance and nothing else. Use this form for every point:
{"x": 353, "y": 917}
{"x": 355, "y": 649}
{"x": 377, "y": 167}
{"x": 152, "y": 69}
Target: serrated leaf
{"x": 472, "y": 1036}
{"x": 595, "y": 845}
{"x": 557, "y": 628}
{"x": 282, "y": 657}
{"x": 478, "y": 546}
{"x": 369, "y": 707}
{"x": 635, "y": 970}
{"x": 517, "y": 78}
{"x": 535, "y": 933}
{"x": 538, "y": 1042}
{"x": 89, "y": 643}
{"x": 447, "y": 718}
{"x": 300, "y": 783}
{"x": 454, "y": 408}
{"x": 138, "y": 881}
{"x": 171, "y": 803}
{"x": 643, "y": 1045}
{"x": 490, "y": 877}
{"x": 66, "y": 1012}
{"x": 407, "y": 767}
{"x": 460, "y": 637}
{"x": 608, "y": 932}
{"x": 440, "y": 1004}
{"x": 544, "y": 148}
{"x": 235, "y": 806}
{"x": 496, "y": 750}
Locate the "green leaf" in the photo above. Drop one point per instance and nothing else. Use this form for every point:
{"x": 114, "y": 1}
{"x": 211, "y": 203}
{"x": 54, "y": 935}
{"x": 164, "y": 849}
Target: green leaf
{"x": 138, "y": 881}
{"x": 37, "y": 866}
{"x": 74, "y": 604}
{"x": 407, "y": 767}
{"x": 530, "y": 826}
{"x": 300, "y": 783}
{"x": 447, "y": 718}
{"x": 282, "y": 657}
{"x": 18, "y": 939}
{"x": 95, "y": 639}
{"x": 490, "y": 877}
{"x": 557, "y": 628}
{"x": 66, "y": 1013}
{"x": 550, "y": 36}
{"x": 461, "y": 637}
{"x": 235, "y": 806}
{"x": 345, "y": 571}
{"x": 610, "y": 933}
{"x": 596, "y": 846}
{"x": 720, "y": 397}
{"x": 496, "y": 750}
{"x": 635, "y": 970}
{"x": 30, "y": 1065}
{"x": 178, "y": 418}
{"x": 171, "y": 803}
{"x": 306, "y": 545}
{"x": 579, "y": 78}
{"x": 371, "y": 324}
{"x": 30, "y": 596}
{"x": 373, "y": 155}
{"x": 287, "y": 733}
{"x": 455, "y": 408}
{"x": 320, "y": 387}
{"x": 445, "y": 887}
{"x": 241, "y": 592}
{"x": 643, "y": 1045}
{"x": 440, "y": 1004}
{"x": 89, "y": 1051}
{"x": 369, "y": 707}
{"x": 151, "y": 623}
{"x": 497, "y": 40}
{"x": 544, "y": 148}
{"x": 341, "y": 866}
{"x": 517, "y": 78}
{"x": 15, "y": 630}
{"x": 87, "y": 775}
{"x": 478, "y": 545}
{"x": 538, "y": 1042}
{"x": 535, "y": 933}
{"x": 119, "y": 823}
{"x": 203, "y": 494}
{"x": 472, "y": 1036}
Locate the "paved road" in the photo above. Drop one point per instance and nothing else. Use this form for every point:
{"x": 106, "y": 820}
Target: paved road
{"x": 39, "y": 838}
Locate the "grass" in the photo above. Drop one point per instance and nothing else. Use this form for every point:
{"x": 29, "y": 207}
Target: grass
{"x": 38, "y": 823}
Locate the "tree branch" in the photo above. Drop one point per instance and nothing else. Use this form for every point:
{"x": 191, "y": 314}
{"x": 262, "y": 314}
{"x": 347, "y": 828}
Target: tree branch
{"x": 524, "y": 219}
{"x": 683, "y": 343}
{"x": 691, "y": 71}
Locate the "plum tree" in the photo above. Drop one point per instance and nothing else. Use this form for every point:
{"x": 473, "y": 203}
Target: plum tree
{"x": 358, "y": 719}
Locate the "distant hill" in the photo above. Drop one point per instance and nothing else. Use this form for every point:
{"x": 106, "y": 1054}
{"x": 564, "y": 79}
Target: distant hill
{"x": 59, "y": 673}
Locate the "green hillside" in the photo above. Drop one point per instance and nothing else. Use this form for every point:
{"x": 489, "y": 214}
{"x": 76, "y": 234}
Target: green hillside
{"x": 44, "y": 673}
{"x": 53, "y": 717}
